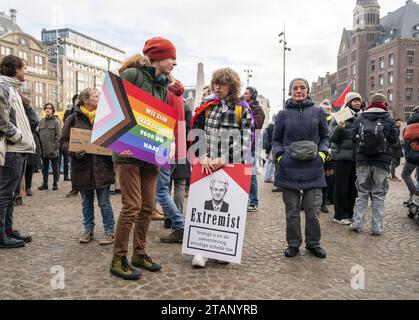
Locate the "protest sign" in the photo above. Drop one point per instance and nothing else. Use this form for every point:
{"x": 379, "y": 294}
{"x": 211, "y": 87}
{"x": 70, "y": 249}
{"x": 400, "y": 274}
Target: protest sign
{"x": 342, "y": 115}
{"x": 217, "y": 210}
{"x": 130, "y": 119}
{"x": 80, "y": 141}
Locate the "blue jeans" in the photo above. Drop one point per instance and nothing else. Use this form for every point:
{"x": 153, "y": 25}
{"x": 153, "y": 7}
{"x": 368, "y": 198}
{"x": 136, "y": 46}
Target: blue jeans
{"x": 270, "y": 171}
{"x": 253, "y": 195}
{"x": 165, "y": 200}
{"x": 88, "y": 197}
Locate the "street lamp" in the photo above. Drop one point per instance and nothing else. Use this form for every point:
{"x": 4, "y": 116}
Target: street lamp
{"x": 57, "y": 43}
{"x": 284, "y": 42}
{"x": 249, "y": 75}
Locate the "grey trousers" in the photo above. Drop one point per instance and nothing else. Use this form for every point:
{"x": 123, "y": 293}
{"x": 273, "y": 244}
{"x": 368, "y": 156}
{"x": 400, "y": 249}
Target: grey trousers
{"x": 372, "y": 181}
{"x": 311, "y": 201}
{"x": 407, "y": 177}
{"x": 179, "y": 193}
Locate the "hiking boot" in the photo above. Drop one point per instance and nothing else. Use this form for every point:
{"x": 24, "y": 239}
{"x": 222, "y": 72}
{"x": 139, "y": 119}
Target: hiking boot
{"x": 8, "y": 242}
{"x": 157, "y": 216}
{"x": 108, "y": 239}
{"x": 145, "y": 262}
{"x": 72, "y": 193}
{"x": 292, "y": 252}
{"x": 324, "y": 209}
{"x": 317, "y": 252}
{"x": 55, "y": 187}
{"x": 17, "y": 236}
{"x": 29, "y": 192}
{"x": 175, "y": 237}
{"x": 43, "y": 187}
{"x": 86, "y": 237}
{"x": 168, "y": 224}
{"x": 121, "y": 268}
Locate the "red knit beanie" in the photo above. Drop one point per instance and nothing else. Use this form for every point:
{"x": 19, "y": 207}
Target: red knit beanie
{"x": 158, "y": 49}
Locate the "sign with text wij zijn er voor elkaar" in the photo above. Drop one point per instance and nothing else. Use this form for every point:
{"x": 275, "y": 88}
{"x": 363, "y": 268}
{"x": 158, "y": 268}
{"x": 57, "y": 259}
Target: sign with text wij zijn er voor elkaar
{"x": 130, "y": 119}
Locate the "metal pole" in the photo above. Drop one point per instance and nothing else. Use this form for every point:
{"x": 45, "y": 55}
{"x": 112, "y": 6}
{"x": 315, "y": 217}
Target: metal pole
{"x": 283, "y": 90}
{"x": 58, "y": 72}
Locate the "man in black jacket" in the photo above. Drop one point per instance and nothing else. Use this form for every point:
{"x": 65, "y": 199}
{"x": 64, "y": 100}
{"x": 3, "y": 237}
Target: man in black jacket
{"x": 375, "y": 134}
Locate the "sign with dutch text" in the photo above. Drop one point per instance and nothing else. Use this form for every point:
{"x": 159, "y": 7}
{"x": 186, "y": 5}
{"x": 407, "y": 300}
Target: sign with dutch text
{"x": 217, "y": 210}
{"x": 130, "y": 119}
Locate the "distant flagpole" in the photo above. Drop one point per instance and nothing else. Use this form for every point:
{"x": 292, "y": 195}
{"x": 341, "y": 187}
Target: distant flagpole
{"x": 340, "y": 102}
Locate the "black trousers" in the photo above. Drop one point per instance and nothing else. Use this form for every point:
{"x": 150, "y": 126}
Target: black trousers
{"x": 345, "y": 189}
{"x": 55, "y": 162}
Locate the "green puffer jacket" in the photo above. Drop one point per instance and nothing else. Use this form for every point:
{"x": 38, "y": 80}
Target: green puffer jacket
{"x": 343, "y": 148}
{"x": 149, "y": 85}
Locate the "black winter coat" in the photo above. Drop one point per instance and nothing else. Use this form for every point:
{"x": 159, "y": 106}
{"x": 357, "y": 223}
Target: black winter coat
{"x": 92, "y": 171}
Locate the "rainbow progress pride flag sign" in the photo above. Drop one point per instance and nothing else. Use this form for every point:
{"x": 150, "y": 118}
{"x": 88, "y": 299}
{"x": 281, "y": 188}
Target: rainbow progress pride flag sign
{"x": 130, "y": 119}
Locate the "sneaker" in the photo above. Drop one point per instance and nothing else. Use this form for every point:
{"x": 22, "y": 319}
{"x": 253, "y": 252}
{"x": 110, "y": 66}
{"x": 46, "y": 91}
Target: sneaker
{"x": 108, "y": 239}
{"x": 408, "y": 202}
{"x": 376, "y": 234}
{"x": 43, "y": 187}
{"x": 72, "y": 193}
{"x": 145, "y": 262}
{"x": 121, "y": 268}
{"x": 86, "y": 237}
{"x": 292, "y": 252}
{"x": 344, "y": 222}
{"x": 277, "y": 189}
{"x": 175, "y": 237}
{"x": 223, "y": 263}
{"x": 352, "y": 228}
{"x": 17, "y": 236}
{"x": 67, "y": 179}
{"x": 199, "y": 262}
{"x": 29, "y": 192}
{"x": 18, "y": 202}
{"x": 317, "y": 252}
{"x": 252, "y": 208}
{"x": 324, "y": 209}
{"x": 55, "y": 187}
{"x": 269, "y": 181}
{"x": 8, "y": 242}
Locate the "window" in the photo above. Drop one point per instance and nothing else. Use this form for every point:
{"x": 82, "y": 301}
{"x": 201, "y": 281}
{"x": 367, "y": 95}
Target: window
{"x": 39, "y": 60}
{"x": 410, "y": 56}
{"x": 381, "y": 63}
{"x": 370, "y": 37}
{"x": 391, "y": 59}
{"x": 354, "y": 70}
{"x": 39, "y": 87}
{"x": 391, "y": 77}
{"x": 23, "y": 55}
{"x": 372, "y": 79}
{"x": 409, "y": 92}
{"x": 5, "y": 51}
{"x": 354, "y": 55}
{"x": 372, "y": 65}
{"x": 390, "y": 95}
{"x": 409, "y": 75}
{"x": 381, "y": 80}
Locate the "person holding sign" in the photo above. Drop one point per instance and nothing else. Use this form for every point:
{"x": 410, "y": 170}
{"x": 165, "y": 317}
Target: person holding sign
{"x": 343, "y": 153}
{"x": 228, "y": 126}
{"x": 138, "y": 178}
{"x": 90, "y": 172}
{"x": 301, "y": 146}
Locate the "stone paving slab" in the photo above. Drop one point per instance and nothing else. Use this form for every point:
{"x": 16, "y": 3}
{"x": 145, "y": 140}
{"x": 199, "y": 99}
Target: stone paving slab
{"x": 390, "y": 262}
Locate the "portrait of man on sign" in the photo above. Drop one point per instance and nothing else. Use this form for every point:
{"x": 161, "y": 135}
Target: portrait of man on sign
{"x": 219, "y": 188}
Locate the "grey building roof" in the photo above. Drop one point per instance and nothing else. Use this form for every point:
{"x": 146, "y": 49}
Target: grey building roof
{"x": 401, "y": 23}
{"x": 7, "y": 26}
{"x": 367, "y": 2}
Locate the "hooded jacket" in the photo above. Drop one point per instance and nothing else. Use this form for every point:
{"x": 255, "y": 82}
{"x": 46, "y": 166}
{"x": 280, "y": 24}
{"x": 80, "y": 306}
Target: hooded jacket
{"x": 390, "y": 133}
{"x": 50, "y": 133}
{"x": 300, "y": 122}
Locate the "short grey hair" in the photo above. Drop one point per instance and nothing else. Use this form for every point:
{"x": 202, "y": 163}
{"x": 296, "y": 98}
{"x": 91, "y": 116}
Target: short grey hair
{"x": 299, "y": 79}
{"x": 219, "y": 180}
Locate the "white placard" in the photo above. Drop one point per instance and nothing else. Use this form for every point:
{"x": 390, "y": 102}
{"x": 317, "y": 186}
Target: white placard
{"x": 343, "y": 115}
{"x": 216, "y": 216}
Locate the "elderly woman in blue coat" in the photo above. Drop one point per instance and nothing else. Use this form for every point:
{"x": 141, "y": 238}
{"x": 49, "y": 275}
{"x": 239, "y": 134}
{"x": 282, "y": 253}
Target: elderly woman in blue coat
{"x": 300, "y": 145}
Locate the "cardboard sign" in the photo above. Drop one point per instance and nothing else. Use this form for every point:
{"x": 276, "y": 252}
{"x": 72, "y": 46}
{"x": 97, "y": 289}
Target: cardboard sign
{"x": 342, "y": 115}
{"x": 217, "y": 211}
{"x": 80, "y": 141}
{"x": 130, "y": 119}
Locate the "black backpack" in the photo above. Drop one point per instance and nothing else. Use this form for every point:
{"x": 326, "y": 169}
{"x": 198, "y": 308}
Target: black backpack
{"x": 371, "y": 139}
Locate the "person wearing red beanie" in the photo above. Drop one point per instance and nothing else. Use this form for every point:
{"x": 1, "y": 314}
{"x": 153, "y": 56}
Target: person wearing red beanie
{"x": 138, "y": 179}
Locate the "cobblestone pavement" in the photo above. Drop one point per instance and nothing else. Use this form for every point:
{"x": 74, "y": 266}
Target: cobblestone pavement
{"x": 390, "y": 262}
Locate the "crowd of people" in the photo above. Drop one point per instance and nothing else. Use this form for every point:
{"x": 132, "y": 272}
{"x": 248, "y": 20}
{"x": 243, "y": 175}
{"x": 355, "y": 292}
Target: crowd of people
{"x": 315, "y": 161}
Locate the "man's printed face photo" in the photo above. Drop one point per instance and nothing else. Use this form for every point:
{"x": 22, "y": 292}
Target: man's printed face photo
{"x": 218, "y": 191}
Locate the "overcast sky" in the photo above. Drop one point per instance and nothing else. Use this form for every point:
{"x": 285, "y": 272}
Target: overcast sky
{"x": 219, "y": 33}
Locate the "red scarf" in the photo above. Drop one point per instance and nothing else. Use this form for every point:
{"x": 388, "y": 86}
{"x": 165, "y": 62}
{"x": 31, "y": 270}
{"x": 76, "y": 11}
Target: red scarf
{"x": 379, "y": 105}
{"x": 175, "y": 99}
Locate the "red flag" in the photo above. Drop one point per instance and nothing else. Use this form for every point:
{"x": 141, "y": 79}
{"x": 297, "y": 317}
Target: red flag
{"x": 340, "y": 102}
